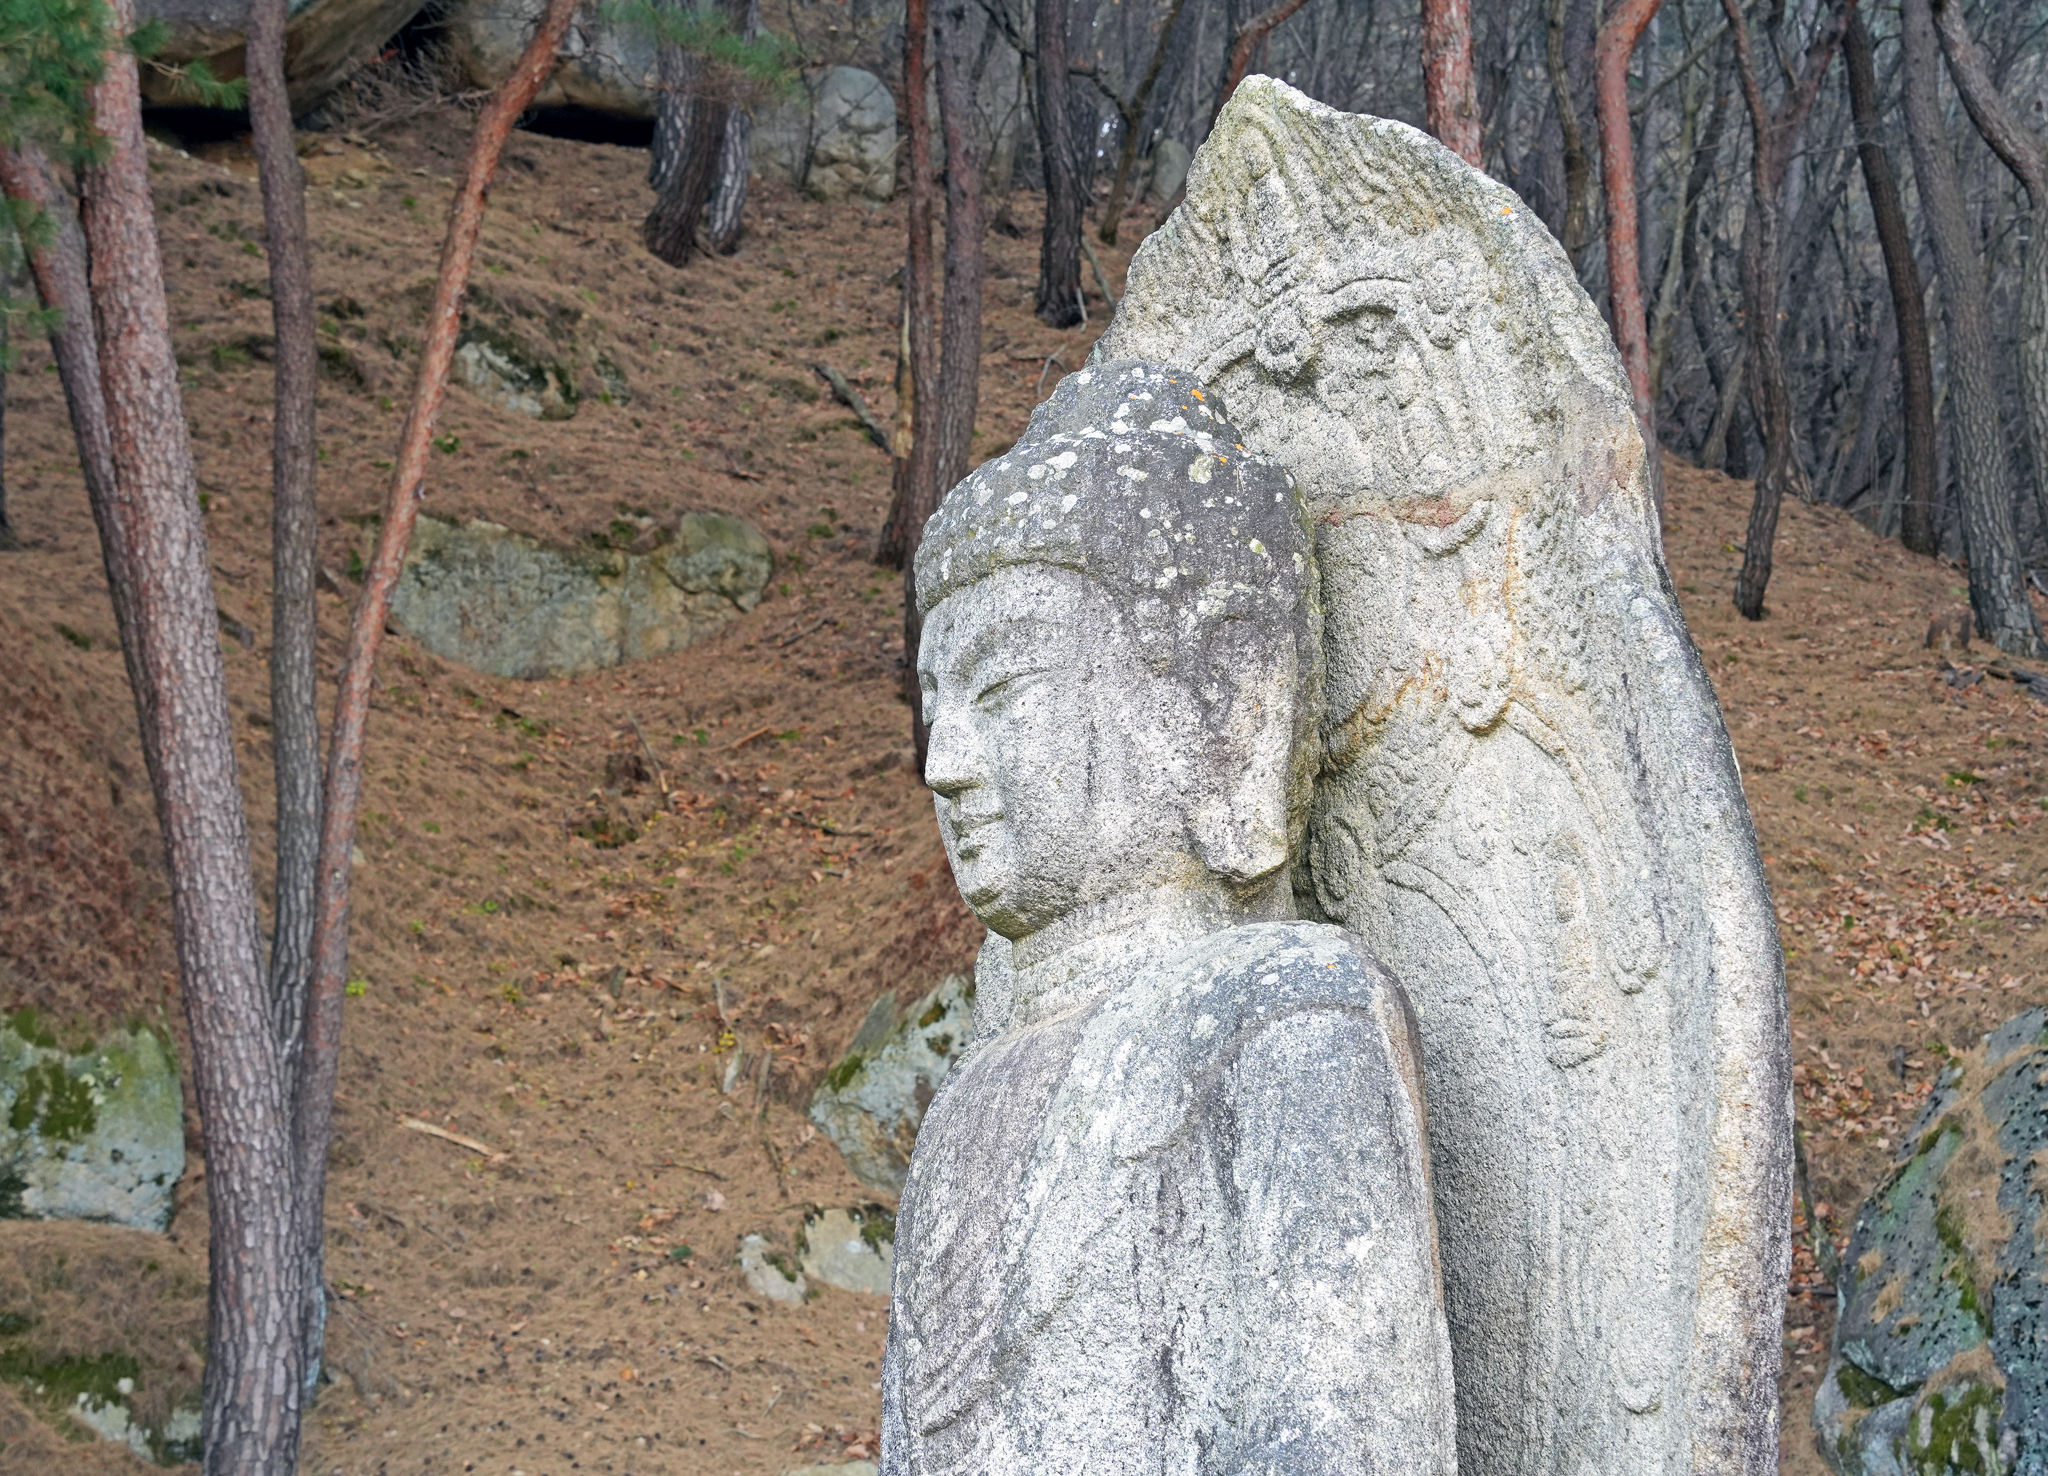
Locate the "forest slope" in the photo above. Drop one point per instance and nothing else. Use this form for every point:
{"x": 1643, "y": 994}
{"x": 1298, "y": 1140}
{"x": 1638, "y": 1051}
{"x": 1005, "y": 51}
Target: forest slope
{"x": 575, "y": 898}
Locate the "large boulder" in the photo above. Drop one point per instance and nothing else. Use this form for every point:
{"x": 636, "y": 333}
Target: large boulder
{"x": 606, "y": 66}
{"x": 96, "y": 1134}
{"x": 1940, "y": 1363}
{"x": 324, "y": 41}
{"x": 837, "y": 142}
{"x": 874, "y": 1097}
{"x": 853, "y": 1250}
{"x": 504, "y": 603}
{"x": 1170, "y": 161}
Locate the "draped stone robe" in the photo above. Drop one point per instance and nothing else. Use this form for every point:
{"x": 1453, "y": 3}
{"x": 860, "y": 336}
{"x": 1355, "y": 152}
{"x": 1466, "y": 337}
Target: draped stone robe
{"x": 1176, "y": 1218}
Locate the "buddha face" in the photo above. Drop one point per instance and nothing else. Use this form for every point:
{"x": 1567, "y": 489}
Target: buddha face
{"x": 1060, "y": 762}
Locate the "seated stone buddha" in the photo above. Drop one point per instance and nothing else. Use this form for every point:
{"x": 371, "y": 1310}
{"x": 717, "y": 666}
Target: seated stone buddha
{"x": 1171, "y": 1211}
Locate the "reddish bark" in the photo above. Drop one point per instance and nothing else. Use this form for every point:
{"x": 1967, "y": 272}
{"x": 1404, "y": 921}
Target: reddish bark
{"x": 294, "y": 702}
{"x": 58, "y": 266}
{"x": 1250, "y": 36}
{"x": 256, "y": 1355}
{"x": 1611, "y": 52}
{"x": 1449, "y": 100}
{"x": 916, "y": 452}
{"x": 321, "y": 1054}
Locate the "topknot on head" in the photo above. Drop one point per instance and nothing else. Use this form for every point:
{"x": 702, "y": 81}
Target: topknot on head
{"x": 1130, "y": 473}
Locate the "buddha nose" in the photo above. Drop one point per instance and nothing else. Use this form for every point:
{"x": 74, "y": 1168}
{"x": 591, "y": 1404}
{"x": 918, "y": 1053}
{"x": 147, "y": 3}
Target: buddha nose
{"x": 951, "y": 756}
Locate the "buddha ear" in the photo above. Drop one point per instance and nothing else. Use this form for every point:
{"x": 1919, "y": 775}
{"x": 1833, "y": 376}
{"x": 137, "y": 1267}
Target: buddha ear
{"x": 1239, "y": 826}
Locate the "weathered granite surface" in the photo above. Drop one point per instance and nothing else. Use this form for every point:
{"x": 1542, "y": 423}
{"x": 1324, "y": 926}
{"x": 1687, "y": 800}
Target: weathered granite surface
{"x": 1940, "y": 1363}
{"x": 1171, "y": 1211}
{"x": 324, "y": 41}
{"x": 94, "y": 1135}
{"x": 607, "y": 63}
{"x": 1530, "y": 809}
{"x": 836, "y": 141}
{"x": 501, "y": 602}
{"x": 853, "y": 1250}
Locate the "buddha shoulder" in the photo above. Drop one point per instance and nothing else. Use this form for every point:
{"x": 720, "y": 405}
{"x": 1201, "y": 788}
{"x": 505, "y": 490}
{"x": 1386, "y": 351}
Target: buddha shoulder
{"x": 1230, "y": 988}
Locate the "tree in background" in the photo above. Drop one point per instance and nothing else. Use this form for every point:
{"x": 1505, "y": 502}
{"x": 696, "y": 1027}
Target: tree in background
{"x": 1132, "y": 111}
{"x": 1611, "y": 52}
{"x": 1059, "y": 247}
{"x": 715, "y": 61}
{"x": 1448, "y": 96}
{"x": 2025, "y": 153}
{"x": 1774, "y": 137}
{"x": 1902, "y": 271}
{"x": 264, "y": 1056}
{"x": 943, "y": 354}
{"x": 1984, "y": 485}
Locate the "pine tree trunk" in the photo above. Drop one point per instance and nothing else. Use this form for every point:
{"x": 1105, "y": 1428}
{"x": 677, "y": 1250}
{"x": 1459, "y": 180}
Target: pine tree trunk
{"x": 959, "y": 383}
{"x": 58, "y": 265}
{"x": 255, "y": 1368}
{"x": 1450, "y": 103}
{"x": 916, "y": 468}
{"x": 1909, "y": 307}
{"x": 2025, "y": 154}
{"x": 1776, "y": 134}
{"x": 1059, "y": 248}
{"x": 1578, "y": 164}
{"x": 1984, "y": 486}
{"x": 1611, "y": 53}
{"x": 729, "y": 196}
{"x": 295, "y": 732}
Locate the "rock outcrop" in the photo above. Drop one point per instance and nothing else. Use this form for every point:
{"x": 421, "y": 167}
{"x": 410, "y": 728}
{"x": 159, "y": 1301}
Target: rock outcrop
{"x": 1940, "y": 1363}
{"x": 853, "y": 1250}
{"x": 97, "y": 1134}
{"x": 606, "y": 67}
{"x": 874, "y": 1097}
{"x": 837, "y": 143}
{"x": 324, "y": 41}
{"x": 504, "y": 603}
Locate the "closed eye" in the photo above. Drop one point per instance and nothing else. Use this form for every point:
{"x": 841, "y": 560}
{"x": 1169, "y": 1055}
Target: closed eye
{"x": 1008, "y": 686}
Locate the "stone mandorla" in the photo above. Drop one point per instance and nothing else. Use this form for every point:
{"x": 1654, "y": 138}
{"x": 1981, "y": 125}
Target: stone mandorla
{"x": 1528, "y": 805}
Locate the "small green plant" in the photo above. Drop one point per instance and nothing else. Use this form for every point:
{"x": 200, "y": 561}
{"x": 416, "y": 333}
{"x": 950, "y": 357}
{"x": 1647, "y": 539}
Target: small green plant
{"x": 431, "y": 827}
{"x": 680, "y": 1253}
{"x": 77, "y": 638}
{"x": 820, "y": 530}
{"x": 355, "y": 987}
{"x": 1957, "y": 778}
{"x": 448, "y": 445}
{"x": 1799, "y": 793}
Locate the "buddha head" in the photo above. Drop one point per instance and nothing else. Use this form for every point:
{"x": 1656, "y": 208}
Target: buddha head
{"x": 1119, "y": 659}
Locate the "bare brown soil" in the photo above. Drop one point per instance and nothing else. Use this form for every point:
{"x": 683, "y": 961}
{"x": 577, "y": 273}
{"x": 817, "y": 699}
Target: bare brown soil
{"x": 577, "y": 899}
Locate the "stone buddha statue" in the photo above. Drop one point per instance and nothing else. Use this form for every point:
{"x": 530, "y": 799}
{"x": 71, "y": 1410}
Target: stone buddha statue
{"x": 1171, "y": 1211}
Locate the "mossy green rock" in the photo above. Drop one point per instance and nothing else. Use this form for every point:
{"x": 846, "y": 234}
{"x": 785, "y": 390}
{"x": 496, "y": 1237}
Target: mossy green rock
{"x": 873, "y": 1098}
{"x": 507, "y": 604}
{"x": 1938, "y": 1366}
{"x": 96, "y": 1135}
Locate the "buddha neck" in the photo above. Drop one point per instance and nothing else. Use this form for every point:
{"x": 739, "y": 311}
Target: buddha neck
{"x": 1093, "y": 948}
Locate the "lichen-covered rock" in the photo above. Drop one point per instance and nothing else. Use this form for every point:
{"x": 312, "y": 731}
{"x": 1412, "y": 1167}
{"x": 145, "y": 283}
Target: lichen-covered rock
{"x": 606, "y": 66}
{"x": 770, "y": 1274}
{"x": 502, "y": 371}
{"x": 1940, "y": 1366}
{"x": 93, "y": 1135}
{"x": 500, "y": 602}
{"x": 837, "y": 142}
{"x": 324, "y": 41}
{"x": 853, "y": 1250}
{"x": 1170, "y": 160}
{"x": 873, "y": 1098}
